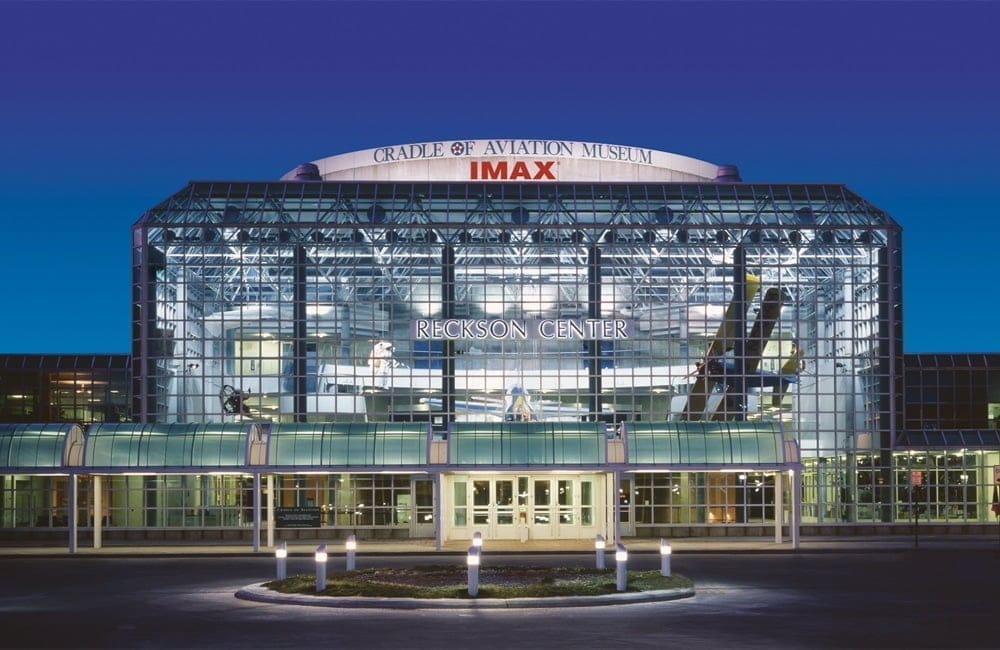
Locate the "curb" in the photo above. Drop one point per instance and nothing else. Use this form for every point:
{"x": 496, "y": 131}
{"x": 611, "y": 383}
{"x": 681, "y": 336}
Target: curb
{"x": 258, "y": 593}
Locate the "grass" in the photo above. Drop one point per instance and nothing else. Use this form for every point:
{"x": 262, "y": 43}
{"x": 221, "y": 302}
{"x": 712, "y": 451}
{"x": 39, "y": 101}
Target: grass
{"x": 447, "y": 581}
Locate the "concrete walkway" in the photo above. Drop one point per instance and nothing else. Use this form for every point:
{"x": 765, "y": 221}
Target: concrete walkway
{"x": 830, "y": 544}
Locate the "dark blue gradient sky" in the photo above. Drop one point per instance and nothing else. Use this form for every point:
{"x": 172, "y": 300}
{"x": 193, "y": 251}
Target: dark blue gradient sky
{"x": 107, "y": 108}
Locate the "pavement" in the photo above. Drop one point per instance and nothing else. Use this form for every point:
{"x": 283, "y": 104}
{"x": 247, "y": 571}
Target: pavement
{"x": 811, "y": 544}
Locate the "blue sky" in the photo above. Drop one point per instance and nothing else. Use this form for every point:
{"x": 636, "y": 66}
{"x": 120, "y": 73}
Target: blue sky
{"x": 107, "y": 108}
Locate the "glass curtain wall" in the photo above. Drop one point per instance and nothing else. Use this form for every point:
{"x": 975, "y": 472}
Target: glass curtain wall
{"x": 291, "y": 302}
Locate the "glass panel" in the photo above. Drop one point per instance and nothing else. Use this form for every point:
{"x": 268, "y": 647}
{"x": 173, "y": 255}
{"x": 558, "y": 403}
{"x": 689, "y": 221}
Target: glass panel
{"x": 566, "y": 502}
{"x": 587, "y": 503}
{"x": 505, "y": 502}
{"x": 543, "y": 500}
{"x": 460, "y": 499}
{"x": 481, "y": 502}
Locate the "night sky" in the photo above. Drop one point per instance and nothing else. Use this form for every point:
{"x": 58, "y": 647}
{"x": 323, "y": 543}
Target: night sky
{"x": 108, "y": 108}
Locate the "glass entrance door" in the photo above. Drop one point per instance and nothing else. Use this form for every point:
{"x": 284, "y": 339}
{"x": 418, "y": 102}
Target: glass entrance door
{"x": 526, "y": 507}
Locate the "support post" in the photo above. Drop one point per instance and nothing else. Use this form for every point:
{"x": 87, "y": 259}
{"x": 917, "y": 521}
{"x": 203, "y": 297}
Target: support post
{"x": 270, "y": 511}
{"x": 779, "y": 507}
{"x": 98, "y": 510}
{"x": 796, "y": 508}
{"x": 71, "y": 512}
{"x": 256, "y": 512}
{"x": 437, "y": 510}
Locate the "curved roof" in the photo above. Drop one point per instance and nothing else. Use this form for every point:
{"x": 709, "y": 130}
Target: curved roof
{"x": 709, "y": 445}
{"x": 39, "y": 448}
{"x": 164, "y": 447}
{"x": 511, "y": 160}
{"x": 347, "y": 445}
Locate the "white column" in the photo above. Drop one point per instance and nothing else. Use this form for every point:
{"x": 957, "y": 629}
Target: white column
{"x": 437, "y": 511}
{"x": 610, "y": 506}
{"x": 779, "y": 507}
{"x": 270, "y": 511}
{"x": 71, "y": 512}
{"x": 796, "y": 508}
{"x": 618, "y": 505}
{"x": 256, "y": 511}
{"x": 98, "y": 499}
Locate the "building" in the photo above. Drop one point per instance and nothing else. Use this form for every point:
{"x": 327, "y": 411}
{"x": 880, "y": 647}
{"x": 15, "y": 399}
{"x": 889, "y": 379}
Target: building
{"x": 528, "y": 339}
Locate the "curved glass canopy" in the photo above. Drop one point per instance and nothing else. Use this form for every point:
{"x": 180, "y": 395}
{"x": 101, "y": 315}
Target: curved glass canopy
{"x": 143, "y": 447}
{"x": 28, "y": 448}
{"x": 679, "y": 445}
{"x": 527, "y": 443}
{"x": 322, "y": 446}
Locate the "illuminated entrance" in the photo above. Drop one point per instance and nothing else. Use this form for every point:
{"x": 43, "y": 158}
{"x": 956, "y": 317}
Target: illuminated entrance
{"x": 525, "y": 506}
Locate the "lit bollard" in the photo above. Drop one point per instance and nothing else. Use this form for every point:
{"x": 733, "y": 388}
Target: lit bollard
{"x": 321, "y": 567}
{"x": 472, "y": 560}
{"x": 281, "y": 558}
{"x": 664, "y": 557}
{"x": 351, "y": 545}
{"x": 621, "y": 573}
{"x": 477, "y": 540}
{"x": 599, "y": 545}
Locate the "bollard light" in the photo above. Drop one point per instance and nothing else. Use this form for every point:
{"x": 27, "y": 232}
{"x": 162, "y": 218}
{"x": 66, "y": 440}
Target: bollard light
{"x": 477, "y": 540}
{"x": 621, "y": 570}
{"x": 664, "y": 557}
{"x": 599, "y": 545}
{"x": 321, "y": 567}
{"x": 281, "y": 558}
{"x": 351, "y": 546}
{"x": 472, "y": 560}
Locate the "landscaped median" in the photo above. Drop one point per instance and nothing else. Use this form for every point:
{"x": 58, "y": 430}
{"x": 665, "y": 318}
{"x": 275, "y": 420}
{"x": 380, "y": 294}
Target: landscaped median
{"x": 443, "y": 586}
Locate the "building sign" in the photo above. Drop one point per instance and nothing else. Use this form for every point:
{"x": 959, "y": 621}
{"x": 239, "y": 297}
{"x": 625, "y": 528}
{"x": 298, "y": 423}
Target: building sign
{"x": 501, "y": 329}
{"x": 502, "y": 170}
{"x": 296, "y": 517}
{"x": 514, "y": 161}
{"x": 520, "y": 148}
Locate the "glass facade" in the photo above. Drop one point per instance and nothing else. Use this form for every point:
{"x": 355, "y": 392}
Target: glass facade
{"x": 291, "y": 302}
{"x": 574, "y": 344}
{"x": 448, "y": 303}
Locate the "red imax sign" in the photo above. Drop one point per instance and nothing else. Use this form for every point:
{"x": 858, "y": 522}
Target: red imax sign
{"x": 502, "y": 170}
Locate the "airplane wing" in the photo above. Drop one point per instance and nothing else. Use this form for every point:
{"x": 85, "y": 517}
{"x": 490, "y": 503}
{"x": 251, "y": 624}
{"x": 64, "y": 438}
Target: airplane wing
{"x": 705, "y": 384}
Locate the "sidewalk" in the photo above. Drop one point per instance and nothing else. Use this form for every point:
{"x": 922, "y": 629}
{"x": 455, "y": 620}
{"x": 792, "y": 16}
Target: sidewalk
{"x": 813, "y": 544}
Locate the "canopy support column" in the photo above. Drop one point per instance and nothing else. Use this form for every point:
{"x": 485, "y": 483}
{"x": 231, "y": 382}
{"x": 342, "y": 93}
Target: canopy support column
{"x": 779, "y": 507}
{"x": 796, "y": 508}
{"x": 256, "y": 512}
{"x": 98, "y": 499}
{"x": 270, "y": 510}
{"x": 437, "y": 511}
{"x": 617, "y": 507}
{"x": 71, "y": 513}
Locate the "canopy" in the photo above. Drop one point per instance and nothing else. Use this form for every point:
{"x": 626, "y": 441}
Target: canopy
{"x": 709, "y": 445}
{"x": 323, "y": 446}
{"x": 527, "y": 443}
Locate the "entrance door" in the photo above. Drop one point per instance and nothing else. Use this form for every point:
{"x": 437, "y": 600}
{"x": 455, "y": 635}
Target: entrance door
{"x": 541, "y": 507}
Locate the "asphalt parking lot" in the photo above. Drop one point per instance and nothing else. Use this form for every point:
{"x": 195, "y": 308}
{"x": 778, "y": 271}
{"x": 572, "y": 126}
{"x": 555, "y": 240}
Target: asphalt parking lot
{"x": 885, "y": 598}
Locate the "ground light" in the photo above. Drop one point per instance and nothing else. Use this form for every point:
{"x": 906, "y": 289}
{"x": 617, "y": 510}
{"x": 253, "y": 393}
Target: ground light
{"x": 599, "y": 545}
{"x": 351, "y": 546}
{"x": 621, "y": 560}
{"x": 664, "y": 557}
{"x": 472, "y": 561}
{"x": 477, "y": 539}
{"x": 281, "y": 559}
{"x": 321, "y": 567}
